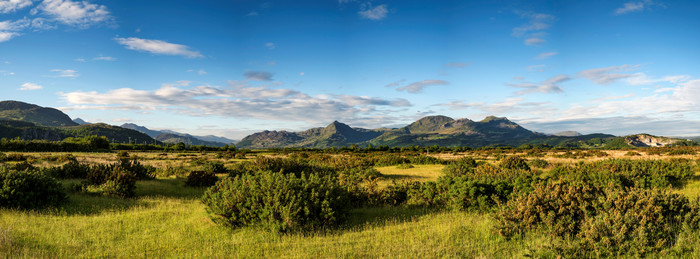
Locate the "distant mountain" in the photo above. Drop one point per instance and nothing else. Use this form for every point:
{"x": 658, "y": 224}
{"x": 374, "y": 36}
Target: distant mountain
{"x": 42, "y": 116}
{"x": 212, "y": 138}
{"x": 80, "y": 121}
{"x": 335, "y": 134}
{"x": 169, "y": 136}
{"x": 187, "y": 139}
{"x": 567, "y": 134}
{"x": 30, "y": 131}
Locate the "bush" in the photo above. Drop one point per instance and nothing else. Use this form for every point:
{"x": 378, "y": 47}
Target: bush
{"x": 131, "y": 164}
{"x": 71, "y": 170}
{"x": 405, "y": 166}
{"x": 459, "y": 167}
{"x": 539, "y": 163}
{"x": 557, "y": 208}
{"x": 111, "y": 180}
{"x": 201, "y": 179}
{"x": 215, "y": 168}
{"x": 277, "y": 201}
{"x": 636, "y": 222}
{"x": 515, "y": 162}
{"x": 29, "y": 190}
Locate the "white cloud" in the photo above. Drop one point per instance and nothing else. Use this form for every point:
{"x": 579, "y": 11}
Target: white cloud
{"x": 460, "y": 105}
{"x": 104, "y": 58}
{"x": 270, "y": 45}
{"x": 30, "y": 87}
{"x": 537, "y": 68}
{"x": 643, "y": 79}
{"x": 376, "y": 13}
{"x": 5, "y": 36}
{"x": 416, "y": 87}
{"x": 158, "y": 47}
{"x": 607, "y": 75}
{"x": 534, "y": 30}
{"x": 238, "y": 100}
{"x": 122, "y": 120}
{"x": 65, "y": 73}
{"x": 549, "y": 86}
{"x": 636, "y": 6}
{"x": 545, "y": 55}
{"x": 8, "y": 6}
{"x": 6, "y": 73}
{"x": 80, "y": 14}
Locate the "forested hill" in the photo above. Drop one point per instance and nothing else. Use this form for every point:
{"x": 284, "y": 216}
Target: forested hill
{"x": 42, "y": 116}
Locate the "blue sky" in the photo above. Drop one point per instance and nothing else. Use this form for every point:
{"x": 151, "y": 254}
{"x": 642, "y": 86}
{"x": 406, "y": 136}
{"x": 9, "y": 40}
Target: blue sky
{"x": 231, "y": 68}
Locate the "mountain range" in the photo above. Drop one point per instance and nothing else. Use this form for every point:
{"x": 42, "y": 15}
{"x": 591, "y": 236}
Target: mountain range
{"x": 29, "y": 121}
{"x": 428, "y": 131}
{"x": 172, "y": 137}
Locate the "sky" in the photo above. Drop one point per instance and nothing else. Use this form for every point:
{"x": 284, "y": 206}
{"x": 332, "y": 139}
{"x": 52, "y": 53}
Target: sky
{"x": 232, "y": 68}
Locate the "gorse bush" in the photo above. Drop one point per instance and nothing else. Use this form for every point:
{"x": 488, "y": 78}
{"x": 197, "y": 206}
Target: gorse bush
{"x": 277, "y": 201}
{"x": 111, "y": 180}
{"x": 515, "y": 162}
{"x": 636, "y": 222}
{"x": 29, "y": 190}
{"x": 460, "y": 167}
{"x": 630, "y": 173}
{"x": 201, "y": 179}
{"x": 539, "y": 163}
{"x": 557, "y": 208}
{"x": 131, "y": 164}
{"x": 71, "y": 170}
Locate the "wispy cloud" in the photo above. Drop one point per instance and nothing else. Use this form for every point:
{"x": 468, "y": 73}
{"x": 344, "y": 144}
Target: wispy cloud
{"x": 534, "y": 30}
{"x": 416, "y": 87}
{"x": 80, "y": 14}
{"x": 258, "y": 76}
{"x": 6, "y": 73}
{"x": 104, "y": 58}
{"x": 8, "y": 6}
{"x": 607, "y": 75}
{"x": 69, "y": 73}
{"x": 545, "y": 55}
{"x": 158, "y": 47}
{"x": 238, "y": 100}
{"x": 30, "y": 87}
{"x": 270, "y": 45}
{"x": 373, "y": 13}
{"x": 548, "y": 86}
{"x": 636, "y": 6}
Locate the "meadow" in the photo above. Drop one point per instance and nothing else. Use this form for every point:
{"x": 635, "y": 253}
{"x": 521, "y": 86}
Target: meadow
{"x": 394, "y": 217}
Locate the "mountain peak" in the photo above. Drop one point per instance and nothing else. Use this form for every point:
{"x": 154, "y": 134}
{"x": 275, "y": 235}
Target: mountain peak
{"x": 429, "y": 124}
{"x": 495, "y": 119}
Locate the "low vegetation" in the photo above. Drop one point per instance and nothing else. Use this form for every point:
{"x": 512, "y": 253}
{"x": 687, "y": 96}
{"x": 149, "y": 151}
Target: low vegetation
{"x": 316, "y": 203}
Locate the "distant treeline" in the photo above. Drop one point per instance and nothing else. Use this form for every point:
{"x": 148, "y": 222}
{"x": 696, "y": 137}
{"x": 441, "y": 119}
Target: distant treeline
{"x": 102, "y": 144}
{"x": 94, "y": 144}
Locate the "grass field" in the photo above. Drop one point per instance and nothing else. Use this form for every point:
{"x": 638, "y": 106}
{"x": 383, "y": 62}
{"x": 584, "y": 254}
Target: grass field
{"x": 167, "y": 219}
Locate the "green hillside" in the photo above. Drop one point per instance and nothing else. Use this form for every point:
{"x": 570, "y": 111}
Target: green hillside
{"x": 42, "y": 116}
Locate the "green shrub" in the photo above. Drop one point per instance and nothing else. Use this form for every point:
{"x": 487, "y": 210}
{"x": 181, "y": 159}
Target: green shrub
{"x": 459, "y": 167}
{"x": 632, "y": 153}
{"x": 286, "y": 165}
{"x": 277, "y": 201}
{"x": 215, "y": 168}
{"x": 636, "y": 222}
{"x": 201, "y": 179}
{"x": 680, "y": 152}
{"x": 405, "y": 166}
{"x": 515, "y": 162}
{"x": 29, "y": 190}
{"x": 557, "y": 208}
{"x": 71, "y": 170}
{"x": 539, "y": 163}
{"x": 111, "y": 180}
{"x": 131, "y": 164}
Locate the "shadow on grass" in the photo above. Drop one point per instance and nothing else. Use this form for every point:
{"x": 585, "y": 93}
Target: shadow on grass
{"x": 169, "y": 187}
{"x": 402, "y": 177}
{"x": 382, "y": 215}
{"x": 90, "y": 204}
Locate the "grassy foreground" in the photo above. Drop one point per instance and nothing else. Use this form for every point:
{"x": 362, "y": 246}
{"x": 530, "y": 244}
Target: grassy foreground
{"x": 167, "y": 220}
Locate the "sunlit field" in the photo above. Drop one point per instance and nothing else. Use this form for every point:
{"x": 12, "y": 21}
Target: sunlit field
{"x": 167, "y": 218}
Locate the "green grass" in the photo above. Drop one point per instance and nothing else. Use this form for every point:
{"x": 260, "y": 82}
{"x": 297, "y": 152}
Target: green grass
{"x": 421, "y": 173}
{"x": 168, "y": 220}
